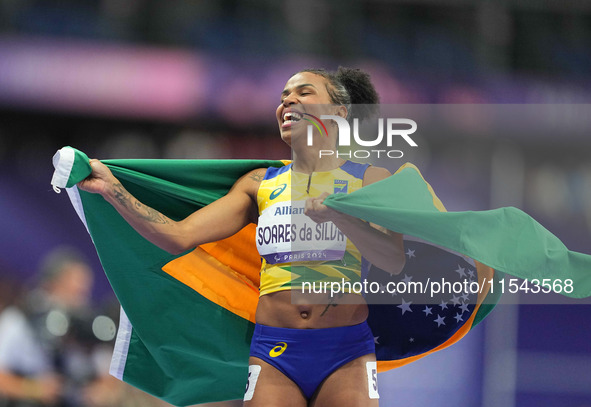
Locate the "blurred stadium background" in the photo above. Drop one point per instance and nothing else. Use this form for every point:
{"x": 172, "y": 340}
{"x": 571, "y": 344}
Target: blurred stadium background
{"x": 201, "y": 79}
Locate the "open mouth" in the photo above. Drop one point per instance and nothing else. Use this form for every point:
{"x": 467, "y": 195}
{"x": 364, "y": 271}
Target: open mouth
{"x": 291, "y": 117}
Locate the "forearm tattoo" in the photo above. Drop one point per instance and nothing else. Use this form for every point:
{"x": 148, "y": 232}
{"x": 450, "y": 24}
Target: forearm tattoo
{"x": 139, "y": 209}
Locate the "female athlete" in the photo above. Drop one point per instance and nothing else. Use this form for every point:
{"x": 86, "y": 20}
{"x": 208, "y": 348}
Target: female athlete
{"x": 308, "y": 349}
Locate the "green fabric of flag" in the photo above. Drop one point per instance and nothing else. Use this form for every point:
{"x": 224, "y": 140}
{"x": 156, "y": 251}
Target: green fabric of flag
{"x": 168, "y": 350}
{"x": 71, "y": 166}
{"x": 506, "y": 239}
{"x": 177, "y": 344}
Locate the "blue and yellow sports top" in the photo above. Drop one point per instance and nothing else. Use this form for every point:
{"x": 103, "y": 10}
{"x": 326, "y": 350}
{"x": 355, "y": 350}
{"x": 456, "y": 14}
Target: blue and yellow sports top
{"x": 295, "y": 249}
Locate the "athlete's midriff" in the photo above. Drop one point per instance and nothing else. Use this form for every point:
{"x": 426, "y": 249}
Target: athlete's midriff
{"x": 295, "y": 253}
{"x": 293, "y": 309}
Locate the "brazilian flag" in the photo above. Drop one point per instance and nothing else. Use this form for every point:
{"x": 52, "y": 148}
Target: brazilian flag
{"x": 187, "y": 320}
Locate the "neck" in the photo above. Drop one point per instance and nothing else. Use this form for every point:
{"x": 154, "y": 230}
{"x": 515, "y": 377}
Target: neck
{"x": 309, "y": 162}
{"x": 307, "y": 159}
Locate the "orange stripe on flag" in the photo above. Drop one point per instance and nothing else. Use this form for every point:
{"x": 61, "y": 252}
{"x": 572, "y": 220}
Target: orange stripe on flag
{"x": 225, "y": 272}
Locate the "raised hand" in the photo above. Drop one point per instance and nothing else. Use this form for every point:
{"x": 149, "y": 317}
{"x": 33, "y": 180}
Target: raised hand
{"x": 99, "y": 180}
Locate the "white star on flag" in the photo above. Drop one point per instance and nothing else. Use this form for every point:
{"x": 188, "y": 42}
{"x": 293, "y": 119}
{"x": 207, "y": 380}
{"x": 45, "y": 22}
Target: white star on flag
{"x": 458, "y": 317}
{"x": 411, "y": 340}
{"x": 427, "y": 310}
{"x": 439, "y": 320}
{"x": 461, "y": 271}
{"x": 464, "y": 307}
{"x": 406, "y": 279}
{"x": 443, "y": 305}
{"x": 410, "y": 253}
{"x": 455, "y": 300}
{"x": 405, "y": 306}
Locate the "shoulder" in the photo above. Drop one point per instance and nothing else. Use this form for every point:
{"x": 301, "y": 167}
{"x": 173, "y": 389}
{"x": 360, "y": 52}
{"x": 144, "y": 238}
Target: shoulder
{"x": 249, "y": 183}
{"x": 256, "y": 175}
{"x": 375, "y": 174}
{"x": 259, "y": 175}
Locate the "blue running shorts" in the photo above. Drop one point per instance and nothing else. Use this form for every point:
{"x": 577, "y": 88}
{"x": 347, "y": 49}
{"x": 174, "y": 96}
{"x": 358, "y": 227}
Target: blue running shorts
{"x": 308, "y": 356}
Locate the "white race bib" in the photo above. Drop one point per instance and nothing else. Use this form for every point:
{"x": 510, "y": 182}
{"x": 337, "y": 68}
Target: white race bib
{"x": 285, "y": 234}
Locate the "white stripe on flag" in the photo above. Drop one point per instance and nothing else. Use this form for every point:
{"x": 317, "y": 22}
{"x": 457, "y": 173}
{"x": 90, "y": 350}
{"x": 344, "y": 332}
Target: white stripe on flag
{"x": 63, "y": 161}
{"x": 74, "y": 196}
{"x": 121, "y": 347}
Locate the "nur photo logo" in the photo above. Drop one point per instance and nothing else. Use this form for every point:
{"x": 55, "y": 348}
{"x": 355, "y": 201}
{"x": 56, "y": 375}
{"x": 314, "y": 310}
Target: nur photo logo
{"x": 387, "y": 130}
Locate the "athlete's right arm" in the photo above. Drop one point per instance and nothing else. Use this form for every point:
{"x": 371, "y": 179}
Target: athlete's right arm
{"x": 216, "y": 221}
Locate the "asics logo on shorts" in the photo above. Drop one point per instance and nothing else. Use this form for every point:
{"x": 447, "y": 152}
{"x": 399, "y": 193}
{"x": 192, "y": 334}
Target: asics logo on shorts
{"x": 278, "y": 350}
{"x": 277, "y": 191}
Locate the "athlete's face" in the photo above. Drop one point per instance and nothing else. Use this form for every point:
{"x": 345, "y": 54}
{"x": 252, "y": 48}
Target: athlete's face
{"x": 303, "y": 92}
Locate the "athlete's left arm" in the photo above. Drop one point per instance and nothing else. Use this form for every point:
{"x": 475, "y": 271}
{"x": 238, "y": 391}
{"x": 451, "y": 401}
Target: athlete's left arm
{"x": 381, "y": 247}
